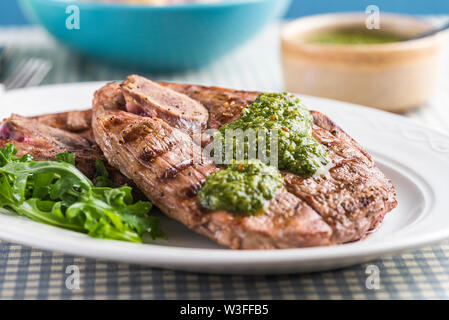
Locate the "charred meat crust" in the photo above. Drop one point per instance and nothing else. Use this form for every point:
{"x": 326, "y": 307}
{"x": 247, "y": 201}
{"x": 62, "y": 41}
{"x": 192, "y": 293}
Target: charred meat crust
{"x": 346, "y": 204}
{"x": 171, "y": 179}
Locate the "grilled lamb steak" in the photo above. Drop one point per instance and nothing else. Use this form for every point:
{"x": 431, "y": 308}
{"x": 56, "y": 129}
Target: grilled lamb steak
{"x": 45, "y": 136}
{"x": 162, "y": 162}
{"x": 44, "y": 142}
{"x": 159, "y": 155}
{"x": 72, "y": 121}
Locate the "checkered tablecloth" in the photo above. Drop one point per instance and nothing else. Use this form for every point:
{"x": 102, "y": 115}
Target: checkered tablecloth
{"x": 30, "y": 273}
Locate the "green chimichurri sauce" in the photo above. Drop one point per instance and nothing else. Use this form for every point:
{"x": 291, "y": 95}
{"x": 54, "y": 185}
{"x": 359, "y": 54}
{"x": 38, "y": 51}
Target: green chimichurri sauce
{"x": 280, "y": 116}
{"x": 243, "y": 188}
{"x": 246, "y": 185}
{"x": 353, "y": 36}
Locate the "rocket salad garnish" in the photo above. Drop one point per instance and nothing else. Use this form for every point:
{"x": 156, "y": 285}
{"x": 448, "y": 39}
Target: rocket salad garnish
{"x": 58, "y": 194}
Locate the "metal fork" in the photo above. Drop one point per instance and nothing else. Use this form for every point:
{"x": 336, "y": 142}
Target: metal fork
{"x": 28, "y": 73}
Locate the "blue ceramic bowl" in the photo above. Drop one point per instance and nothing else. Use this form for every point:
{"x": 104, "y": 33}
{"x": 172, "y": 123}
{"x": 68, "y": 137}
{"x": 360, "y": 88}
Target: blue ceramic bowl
{"x": 161, "y": 39}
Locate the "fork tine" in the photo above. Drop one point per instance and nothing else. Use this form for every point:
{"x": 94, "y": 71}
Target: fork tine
{"x": 23, "y": 74}
{"x": 41, "y": 72}
{"x": 16, "y": 77}
{"x": 32, "y": 69}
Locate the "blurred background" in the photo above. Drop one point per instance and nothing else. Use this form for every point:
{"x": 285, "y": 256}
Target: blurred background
{"x": 10, "y": 13}
{"x": 235, "y": 43}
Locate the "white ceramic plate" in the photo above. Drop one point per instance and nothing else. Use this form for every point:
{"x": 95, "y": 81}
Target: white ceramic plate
{"x": 415, "y": 157}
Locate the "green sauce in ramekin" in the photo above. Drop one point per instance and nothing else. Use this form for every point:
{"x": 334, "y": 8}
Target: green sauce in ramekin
{"x": 352, "y": 37}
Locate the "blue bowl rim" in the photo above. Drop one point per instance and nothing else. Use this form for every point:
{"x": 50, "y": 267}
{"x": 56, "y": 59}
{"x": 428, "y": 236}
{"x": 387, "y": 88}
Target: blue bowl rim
{"x": 91, "y": 4}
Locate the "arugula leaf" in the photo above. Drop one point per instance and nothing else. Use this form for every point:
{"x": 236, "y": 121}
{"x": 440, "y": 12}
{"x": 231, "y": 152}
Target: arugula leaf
{"x": 102, "y": 175}
{"x": 7, "y": 153}
{"x": 58, "y": 194}
{"x": 66, "y": 157}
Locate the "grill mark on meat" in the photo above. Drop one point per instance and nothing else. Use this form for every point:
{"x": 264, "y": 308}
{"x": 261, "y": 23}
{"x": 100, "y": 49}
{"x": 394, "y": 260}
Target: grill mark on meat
{"x": 161, "y": 192}
{"x": 113, "y": 121}
{"x": 134, "y": 131}
{"x": 188, "y": 169}
{"x": 172, "y": 172}
{"x": 153, "y": 145}
{"x": 192, "y": 190}
{"x": 149, "y": 154}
